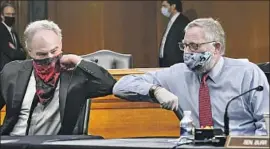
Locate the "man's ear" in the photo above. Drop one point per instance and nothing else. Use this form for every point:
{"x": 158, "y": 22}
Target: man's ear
{"x": 217, "y": 46}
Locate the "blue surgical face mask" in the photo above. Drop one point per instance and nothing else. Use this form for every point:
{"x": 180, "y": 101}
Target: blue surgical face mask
{"x": 165, "y": 11}
{"x": 198, "y": 62}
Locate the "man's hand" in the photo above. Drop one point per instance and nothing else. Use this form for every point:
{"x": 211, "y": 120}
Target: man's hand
{"x": 166, "y": 99}
{"x": 69, "y": 61}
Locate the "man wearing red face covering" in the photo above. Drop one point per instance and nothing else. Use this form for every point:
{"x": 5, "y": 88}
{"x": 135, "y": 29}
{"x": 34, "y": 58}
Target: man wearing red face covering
{"x": 10, "y": 46}
{"x": 44, "y": 95}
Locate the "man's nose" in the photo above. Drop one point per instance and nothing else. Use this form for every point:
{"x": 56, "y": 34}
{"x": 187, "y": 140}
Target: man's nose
{"x": 187, "y": 49}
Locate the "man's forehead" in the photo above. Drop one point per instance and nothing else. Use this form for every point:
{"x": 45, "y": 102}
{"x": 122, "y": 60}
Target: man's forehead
{"x": 8, "y": 9}
{"x": 165, "y": 3}
{"x": 194, "y": 34}
{"x": 45, "y": 40}
{"x": 45, "y": 36}
{"x": 44, "y": 33}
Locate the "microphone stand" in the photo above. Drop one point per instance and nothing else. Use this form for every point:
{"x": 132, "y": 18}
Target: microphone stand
{"x": 226, "y": 117}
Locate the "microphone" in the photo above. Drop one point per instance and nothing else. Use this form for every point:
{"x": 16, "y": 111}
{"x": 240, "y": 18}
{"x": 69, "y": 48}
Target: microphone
{"x": 94, "y": 60}
{"x": 226, "y": 118}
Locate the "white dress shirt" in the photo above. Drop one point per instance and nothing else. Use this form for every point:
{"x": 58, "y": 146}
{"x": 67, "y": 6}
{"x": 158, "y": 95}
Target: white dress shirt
{"x": 161, "y": 51}
{"x": 45, "y": 119}
{"x": 229, "y": 78}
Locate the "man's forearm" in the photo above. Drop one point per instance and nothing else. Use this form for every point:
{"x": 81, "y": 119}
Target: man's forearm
{"x": 100, "y": 81}
{"x": 133, "y": 88}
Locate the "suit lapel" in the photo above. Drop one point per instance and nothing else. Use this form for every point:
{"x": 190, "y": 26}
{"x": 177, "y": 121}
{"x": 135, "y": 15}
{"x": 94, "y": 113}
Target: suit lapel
{"x": 21, "y": 84}
{"x": 8, "y": 34}
{"x": 64, "y": 84}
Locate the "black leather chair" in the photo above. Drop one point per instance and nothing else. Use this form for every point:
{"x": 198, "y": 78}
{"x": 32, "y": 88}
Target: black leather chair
{"x": 110, "y": 59}
{"x": 265, "y": 67}
{"x": 82, "y": 122}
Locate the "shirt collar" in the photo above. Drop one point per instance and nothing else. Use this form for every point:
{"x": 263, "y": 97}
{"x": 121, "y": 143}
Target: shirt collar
{"x": 175, "y": 16}
{"x": 9, "y": 28}
{"x": 215, "y": 72}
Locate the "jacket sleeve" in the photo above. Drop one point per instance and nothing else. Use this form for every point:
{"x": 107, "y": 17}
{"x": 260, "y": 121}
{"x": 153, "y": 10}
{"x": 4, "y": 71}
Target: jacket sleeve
{"x": 99, "y": 81}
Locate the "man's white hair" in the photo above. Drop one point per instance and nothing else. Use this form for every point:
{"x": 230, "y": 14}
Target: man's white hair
{"x": 33, "y": 27}
{"x": 212, "y": 29}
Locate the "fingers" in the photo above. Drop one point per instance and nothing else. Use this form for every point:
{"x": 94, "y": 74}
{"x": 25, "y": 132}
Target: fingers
{"x": 166, "y": 99}
{"x": 66, "y": 67}
{"x": 175, "y": 105}
{"x": 170, "y": 105}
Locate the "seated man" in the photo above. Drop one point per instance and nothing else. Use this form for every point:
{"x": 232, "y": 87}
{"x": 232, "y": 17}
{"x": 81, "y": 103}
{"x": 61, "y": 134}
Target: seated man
{"x": 204, "y": 83}
{"x": 44, "y": 95}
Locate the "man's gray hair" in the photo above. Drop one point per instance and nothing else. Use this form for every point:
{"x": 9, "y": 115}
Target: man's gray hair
{"x": 212, "y": 29}
{"x": 33, "y": 27}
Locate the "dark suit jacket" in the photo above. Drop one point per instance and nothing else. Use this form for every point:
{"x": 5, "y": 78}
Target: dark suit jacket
{"x": 172, "y": 53}
{"x": 8, "y": 54}
{"x": 88, "y": 80}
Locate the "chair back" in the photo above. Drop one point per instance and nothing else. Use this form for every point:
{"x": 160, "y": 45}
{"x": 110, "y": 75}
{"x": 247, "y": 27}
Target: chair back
{"x": 110, "y": 60}
{"x": 265, "y": 67}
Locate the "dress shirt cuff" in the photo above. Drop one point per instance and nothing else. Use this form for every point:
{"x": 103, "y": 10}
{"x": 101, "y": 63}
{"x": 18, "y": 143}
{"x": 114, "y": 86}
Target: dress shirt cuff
{"x": 151, "y": 92}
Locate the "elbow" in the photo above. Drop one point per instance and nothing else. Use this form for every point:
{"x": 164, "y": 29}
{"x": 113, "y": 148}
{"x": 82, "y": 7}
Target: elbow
{"x": 120, "y": 90}
{"x": 110, "y": 85}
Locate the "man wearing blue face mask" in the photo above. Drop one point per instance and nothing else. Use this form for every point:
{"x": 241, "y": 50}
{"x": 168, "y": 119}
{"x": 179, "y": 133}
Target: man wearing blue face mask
{"x": 169, "y": 52}
{"x": 204, "y": 83}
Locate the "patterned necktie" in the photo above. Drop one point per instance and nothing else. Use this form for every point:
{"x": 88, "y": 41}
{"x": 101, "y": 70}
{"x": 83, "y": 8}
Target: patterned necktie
{"x": 205, "y": 113}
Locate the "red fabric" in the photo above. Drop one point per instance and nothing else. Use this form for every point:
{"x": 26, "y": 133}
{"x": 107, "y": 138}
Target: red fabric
{"x": 205, "y": 112}
{"x": 47, "y": 73}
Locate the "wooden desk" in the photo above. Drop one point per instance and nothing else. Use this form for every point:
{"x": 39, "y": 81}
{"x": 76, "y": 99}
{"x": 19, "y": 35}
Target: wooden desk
{"x": 112, "y": 117}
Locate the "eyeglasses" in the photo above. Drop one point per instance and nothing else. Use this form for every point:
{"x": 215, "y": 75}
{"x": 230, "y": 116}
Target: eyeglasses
{"x": 192, "y": 46}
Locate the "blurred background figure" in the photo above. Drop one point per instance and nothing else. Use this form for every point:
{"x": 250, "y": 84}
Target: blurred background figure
{"x": 169, "y": 52}
{"x": 10, "y": 46}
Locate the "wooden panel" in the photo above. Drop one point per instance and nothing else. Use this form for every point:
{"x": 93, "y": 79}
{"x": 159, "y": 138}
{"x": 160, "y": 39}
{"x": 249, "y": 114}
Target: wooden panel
{"x": 121, "y": 26}
{"x": 136, "y": 27}
{"x": 112, "y": 102}
{"x": 130, "y": 27}
{"x": 246, "y": 24}
{"x": 82, "y": 26}
{"x": 120, "y": 123}
{"x": 2, "y": 116}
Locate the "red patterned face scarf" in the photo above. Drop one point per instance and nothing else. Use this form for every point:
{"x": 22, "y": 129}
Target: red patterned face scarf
{"x": 47, "y": 72}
